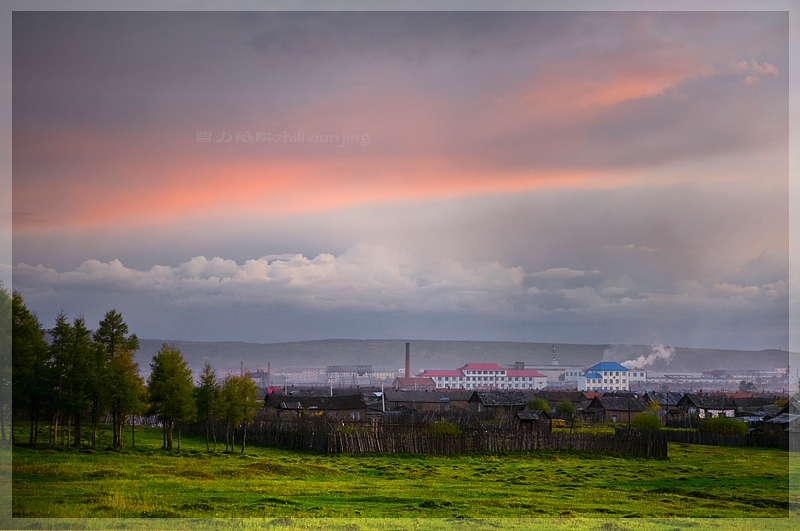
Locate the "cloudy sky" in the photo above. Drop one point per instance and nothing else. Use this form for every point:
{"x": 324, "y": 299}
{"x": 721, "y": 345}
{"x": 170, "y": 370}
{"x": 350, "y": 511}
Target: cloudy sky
{"x": 608, "y": 177}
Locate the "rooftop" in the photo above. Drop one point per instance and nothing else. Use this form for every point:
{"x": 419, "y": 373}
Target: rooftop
{"x": 426, "y": 396}
{"x": 524, "y": 372}
{"x": 606, "y": 366}
{"x": 500, "y": 398}
{"x": 482, "y": 367}
{"x": 440, "y": 372}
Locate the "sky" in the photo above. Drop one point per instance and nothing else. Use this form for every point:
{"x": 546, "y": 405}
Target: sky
{"x": 584, "y": 177}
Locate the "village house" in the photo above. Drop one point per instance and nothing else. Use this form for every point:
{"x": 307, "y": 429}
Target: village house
{"x": 437, "y": 401}
{"x": 535, "y": 420}
{"x": 704, "y": 406}
{"x": 345, "y": 407}
{"x": 579, "y": 399}
{"x": 755, "y": 406}
{"x": 785, "y": 420}
{"x": 609, "y": 408}
{"x": 498, "y": 404}
{"x": 667, "y": 402}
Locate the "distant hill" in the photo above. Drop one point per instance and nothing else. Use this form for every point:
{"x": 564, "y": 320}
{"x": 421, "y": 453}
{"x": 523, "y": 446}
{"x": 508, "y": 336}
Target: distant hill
{"x": 390, "y": 354}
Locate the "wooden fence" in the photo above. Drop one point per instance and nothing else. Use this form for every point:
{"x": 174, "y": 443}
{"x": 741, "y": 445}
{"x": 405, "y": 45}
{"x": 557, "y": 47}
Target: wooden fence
{"x": 417, "y": 441}
{"x": 335, "y": 438}
{"x": 781, "y": 441}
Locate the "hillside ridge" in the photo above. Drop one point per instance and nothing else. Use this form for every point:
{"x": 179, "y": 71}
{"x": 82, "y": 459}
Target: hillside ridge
{"x": 230, "y": 356}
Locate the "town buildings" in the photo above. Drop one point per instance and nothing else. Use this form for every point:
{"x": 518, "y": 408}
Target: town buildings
{"x": 485, "y": 376}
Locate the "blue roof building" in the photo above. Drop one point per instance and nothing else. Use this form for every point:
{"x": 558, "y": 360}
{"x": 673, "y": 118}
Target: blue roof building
{"x": 607, "y": 366}
{"x": 605, "y": 376}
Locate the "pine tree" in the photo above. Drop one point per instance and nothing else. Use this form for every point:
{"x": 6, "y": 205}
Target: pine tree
{"x": 171, "y": 391}
{"x": 207, "y": 396}
{"x": 5, "y": 359}
{"x": 123, "y": 383}
{"x": 96, "y": 387}
{"x": 239, "y": 404}
{"x": 29, "y": 357}
{"x": 77, "y": 394}
{"x": 61, "y": 336}
{"x": 124, "y": 392}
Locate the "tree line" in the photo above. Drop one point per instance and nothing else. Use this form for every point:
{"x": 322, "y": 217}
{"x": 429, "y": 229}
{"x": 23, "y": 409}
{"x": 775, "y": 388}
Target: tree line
{"x": 78, "y": 378}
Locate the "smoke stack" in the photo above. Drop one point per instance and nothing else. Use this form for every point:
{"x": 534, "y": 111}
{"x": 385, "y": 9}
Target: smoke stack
{"x": 408, "y": 360}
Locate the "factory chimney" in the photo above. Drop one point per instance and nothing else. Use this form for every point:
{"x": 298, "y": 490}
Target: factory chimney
{"x": 408, "y": 360}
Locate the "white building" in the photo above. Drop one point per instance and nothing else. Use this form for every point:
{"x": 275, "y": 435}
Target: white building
{"x": 605, "y": 376}
{"x": 485, "y": 376}
{"x": 637, "y": 376}
{"x": 303, "y": 375}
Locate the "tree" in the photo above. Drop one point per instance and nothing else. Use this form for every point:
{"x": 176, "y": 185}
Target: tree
{"x": 61, "y": 336}
{"x": 77, "y": 393}
{"x": 29, "y": 357}
{"x": 123, "y": 383}
{"x": 171, "y": 390}
{"x": 539, "y": 404}
{"x": 723, "y": 426}
{"x": 96, "y": 388}
{"x": 207, "y": 397}
{"x": 646, "y": 421}
{"x": 652, "y": 406}
{"x": 239, "y": 404}
{"x": 5, "y": 359}
{"x": 112, "y": 335}
{"x": 125, "y": 391}
{"x": 565, "y": 409}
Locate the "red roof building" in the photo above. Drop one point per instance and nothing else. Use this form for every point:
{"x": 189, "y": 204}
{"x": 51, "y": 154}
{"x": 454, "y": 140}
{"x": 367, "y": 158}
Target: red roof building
{"x": 485, "y": 376}
{"x": 524, "y": 372}
{"x": 482, "y": 367}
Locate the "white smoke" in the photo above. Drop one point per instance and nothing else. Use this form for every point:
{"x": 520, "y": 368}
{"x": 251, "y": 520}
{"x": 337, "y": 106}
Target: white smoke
{"x": 659, "y": 352}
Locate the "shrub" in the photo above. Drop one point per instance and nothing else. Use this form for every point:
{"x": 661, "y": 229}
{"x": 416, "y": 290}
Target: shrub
{"x": 723, "y": 426}
{"x": 539, "y": 403}
{"x": 565, "y": 409}
{"x": 351, "y": 428}
{"x": 653, "y": 405}
{"x": 646, "y": 421}
{"x": 444, "y": 427}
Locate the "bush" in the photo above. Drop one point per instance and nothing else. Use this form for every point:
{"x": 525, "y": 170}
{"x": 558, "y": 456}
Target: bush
{"x": 444, "y": 427}
{"x": 351, "y": 428}
{"x": 565, "y": 409}
{"x": 539, "y": 403}
{"x": 646, "y": 421}
{"x": 723, "y": 426}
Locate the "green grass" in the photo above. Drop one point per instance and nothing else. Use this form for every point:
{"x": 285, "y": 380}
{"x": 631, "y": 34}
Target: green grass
{"x": 263, "y": 483}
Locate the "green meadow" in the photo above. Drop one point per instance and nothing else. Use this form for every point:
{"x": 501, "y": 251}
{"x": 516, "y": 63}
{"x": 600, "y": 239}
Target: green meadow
{"x": 296, "y": 489}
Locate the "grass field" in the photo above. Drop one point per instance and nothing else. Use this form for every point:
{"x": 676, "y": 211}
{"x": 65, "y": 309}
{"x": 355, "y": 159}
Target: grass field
{"x": 298, "y": 490}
